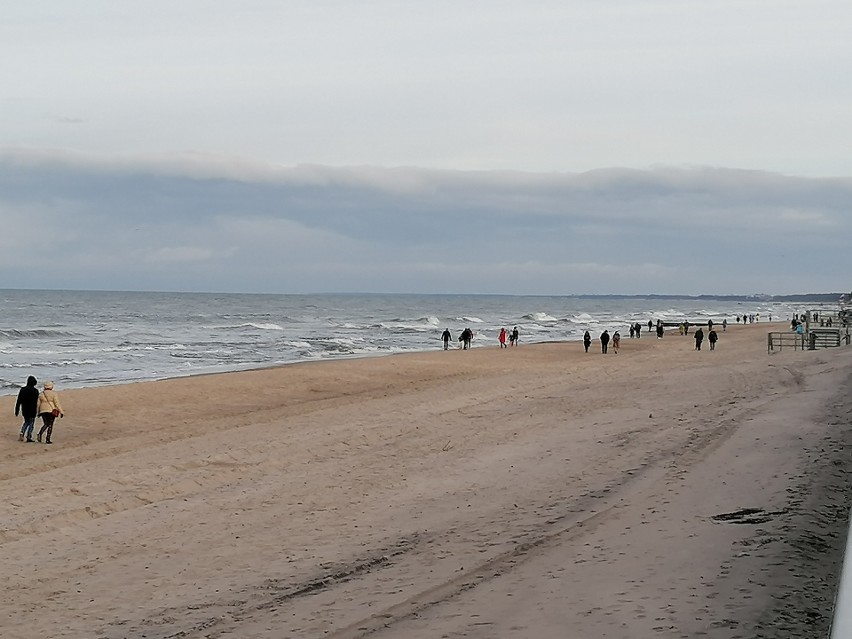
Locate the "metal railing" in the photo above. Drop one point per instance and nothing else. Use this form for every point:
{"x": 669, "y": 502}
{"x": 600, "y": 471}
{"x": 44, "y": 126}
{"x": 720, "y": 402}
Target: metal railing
{"x": 787, "y": 339}
{"x": 824, "y": 338}
{"x": 811, "y": 340}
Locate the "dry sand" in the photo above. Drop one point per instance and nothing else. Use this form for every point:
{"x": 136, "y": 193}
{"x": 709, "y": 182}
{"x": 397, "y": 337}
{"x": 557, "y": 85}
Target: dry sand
{"x": 529, "y": 492}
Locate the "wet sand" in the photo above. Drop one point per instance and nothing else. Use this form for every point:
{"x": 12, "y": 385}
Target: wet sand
{"x": 536, "y": 491}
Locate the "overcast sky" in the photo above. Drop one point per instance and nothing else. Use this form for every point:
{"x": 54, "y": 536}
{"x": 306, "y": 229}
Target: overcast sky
{"x": 469, "y": 147}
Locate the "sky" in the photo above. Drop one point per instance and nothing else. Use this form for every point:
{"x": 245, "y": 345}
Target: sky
{"x": 578, "y": 147}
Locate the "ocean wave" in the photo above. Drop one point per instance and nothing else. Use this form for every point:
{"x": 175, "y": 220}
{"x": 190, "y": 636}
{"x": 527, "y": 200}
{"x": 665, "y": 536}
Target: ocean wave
{"x": 13, "y": 333}
{"x": 51, "y": 363}
{"x": 540, "y": 317}
{"x": 264, "y": 327}
{"x": 336, "y": 345}
{"x": 400, "y": 326}
{"x": 472, "y": 320}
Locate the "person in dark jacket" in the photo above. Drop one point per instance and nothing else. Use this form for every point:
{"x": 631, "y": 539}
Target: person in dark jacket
{"x": 27, "y": 405}
{"x": 604, "y": 341}
{"x": 712, "y": 337}
{"x": 446, "y": 336}
{"x": 587, "y": 341}
{"x": 699, "y": 337}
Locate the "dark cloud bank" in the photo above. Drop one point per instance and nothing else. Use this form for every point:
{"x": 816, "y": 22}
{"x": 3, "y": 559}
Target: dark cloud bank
{"x": 211, "y": 225}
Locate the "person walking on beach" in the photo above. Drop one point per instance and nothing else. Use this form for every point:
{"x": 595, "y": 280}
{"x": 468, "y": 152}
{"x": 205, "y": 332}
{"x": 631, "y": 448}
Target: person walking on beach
{"x": 604, "y": 341}
{"x": 650, "y": 326}
{"x": 638, "y": 328}
{"x": 724, "y": 324}
{"x": 699, "y": 337}
{"x": 616, "y": 341}
{"x": 513, "y": 338}
{"x": 587, "y": 341}
{"x": 712, "y": 337}
{"x": 49, "y": 409}
{"x": 27, "y": 405}
{"x": 466, "y": 337}
{"x": 446, "y": 337}
{"x": 502, "y": 338}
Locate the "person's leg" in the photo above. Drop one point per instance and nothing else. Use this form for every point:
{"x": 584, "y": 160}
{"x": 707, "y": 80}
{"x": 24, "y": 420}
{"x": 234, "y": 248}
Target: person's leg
{"x": 43, "y": 427}
{"x": 29, "y": 424}
{"x": 48, "y": 420}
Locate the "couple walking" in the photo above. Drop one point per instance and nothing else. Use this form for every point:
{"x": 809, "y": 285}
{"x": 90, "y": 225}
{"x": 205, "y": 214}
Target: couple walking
{"x": 32, "y": 404}
{"x": 512, "y": 337}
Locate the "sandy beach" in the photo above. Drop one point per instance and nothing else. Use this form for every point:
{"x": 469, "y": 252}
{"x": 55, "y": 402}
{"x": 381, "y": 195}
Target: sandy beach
{"x": 529, "y": 492}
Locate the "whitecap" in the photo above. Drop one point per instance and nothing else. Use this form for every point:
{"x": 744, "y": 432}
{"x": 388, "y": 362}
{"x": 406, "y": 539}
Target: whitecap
{"x": 265, "y": 327}
{"x": 541, "y": 317}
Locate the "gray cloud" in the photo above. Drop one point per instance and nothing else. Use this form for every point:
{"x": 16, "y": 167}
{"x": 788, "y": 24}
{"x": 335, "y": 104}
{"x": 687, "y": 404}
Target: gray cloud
{"x": 567, "y": 86}
{"x": 184, "y": 223}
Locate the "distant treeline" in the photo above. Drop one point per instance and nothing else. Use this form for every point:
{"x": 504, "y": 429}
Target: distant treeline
{"x": 822, "y": 298}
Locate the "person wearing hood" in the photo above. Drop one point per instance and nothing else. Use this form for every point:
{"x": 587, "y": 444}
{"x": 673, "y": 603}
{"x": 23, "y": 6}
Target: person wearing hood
{"x": 27, "y": 405}
{"x": 587, "y": 340}
{"x": 49, "y": 409}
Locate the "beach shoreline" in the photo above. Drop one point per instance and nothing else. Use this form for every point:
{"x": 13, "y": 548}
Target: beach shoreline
{"x": 80, "y": 339}
{"x": 529, "y": 491}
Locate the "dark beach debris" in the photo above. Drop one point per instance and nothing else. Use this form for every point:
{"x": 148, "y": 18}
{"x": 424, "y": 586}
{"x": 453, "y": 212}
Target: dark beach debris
{"x": 748, "y": 516}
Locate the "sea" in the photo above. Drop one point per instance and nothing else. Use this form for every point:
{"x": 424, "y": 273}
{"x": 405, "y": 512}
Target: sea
{"x": 96, "y": 338}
